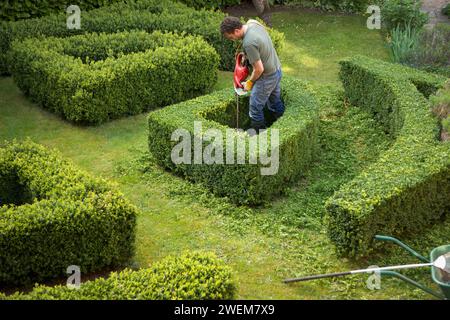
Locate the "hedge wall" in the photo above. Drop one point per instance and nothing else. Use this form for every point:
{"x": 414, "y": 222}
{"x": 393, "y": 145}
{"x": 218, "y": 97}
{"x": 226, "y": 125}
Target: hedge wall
{"x": 354, "y": 6}
{"x": 349, "y": 6}
{"x": 93, "y": 78}
{"x": 65, "y": 218}
{"x": 408, "y": 188}
{"x": 242, "y": 183}
{"x": 192, "y": 276}
{"x": 210, "y": 4}
{"x": 147, "y": 15}
{"x": 11, "y": 10}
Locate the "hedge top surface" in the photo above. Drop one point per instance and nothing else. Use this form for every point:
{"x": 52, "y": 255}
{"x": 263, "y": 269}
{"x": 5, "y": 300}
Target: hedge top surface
{"x": 25, "y": 9}
{"x": 426, "y": 82}
{"x": 417, "y": 129}
{"x": 46, "y": 173}
{"x": 148, "y": 15}
{"x": 409, "y": 87}
{"x": 51, "y": 181}
{"x": 94, "y": 51}
{"x": 396, "y": 194}
{"x": 296, "y": 94}
{"x": 65, "y": 218}
{"x": 93, "y": 78}
{"x": 190, "y": 276}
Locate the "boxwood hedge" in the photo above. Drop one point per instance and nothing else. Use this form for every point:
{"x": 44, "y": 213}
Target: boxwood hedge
{"x": 147, "y": 15}
{"x": 24, "y": 9}
{"x": 93, "y": 78}
{"x": 190, "y": 276}
{"x": 408, "y": 188}
{"x": 242, "y": 183}
{"x": 52, "y": 216}
{"x": 210, "y": 4}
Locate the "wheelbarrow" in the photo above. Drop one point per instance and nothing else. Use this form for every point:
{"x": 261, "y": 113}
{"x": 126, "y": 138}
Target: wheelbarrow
{"x": 439, "y": 261}
{"x": 438, "y": 276}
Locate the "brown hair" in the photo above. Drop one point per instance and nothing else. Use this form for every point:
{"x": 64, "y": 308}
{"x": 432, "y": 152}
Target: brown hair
{"x": 229, "y": 24}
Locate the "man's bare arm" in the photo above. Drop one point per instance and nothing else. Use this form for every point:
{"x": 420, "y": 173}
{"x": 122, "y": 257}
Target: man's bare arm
{"x": 258, "y": 70}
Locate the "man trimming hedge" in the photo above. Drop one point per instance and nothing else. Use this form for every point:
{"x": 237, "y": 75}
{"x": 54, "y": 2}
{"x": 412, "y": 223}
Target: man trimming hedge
{"x": 266, "y": 75}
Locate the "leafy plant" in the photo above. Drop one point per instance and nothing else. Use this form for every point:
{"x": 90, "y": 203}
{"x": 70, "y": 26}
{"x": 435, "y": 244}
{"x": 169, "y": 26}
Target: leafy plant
{"x": 403, "y": 42}
{"x": 398, "y": 13}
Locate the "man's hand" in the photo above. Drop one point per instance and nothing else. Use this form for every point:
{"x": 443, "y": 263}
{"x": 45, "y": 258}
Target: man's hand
{"x": 248, "y": 85}
{"x": 258, "y": 70}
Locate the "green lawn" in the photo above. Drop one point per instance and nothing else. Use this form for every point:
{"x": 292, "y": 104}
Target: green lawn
{"x": 316, "y": 42}
{"x": 262, "y": 245}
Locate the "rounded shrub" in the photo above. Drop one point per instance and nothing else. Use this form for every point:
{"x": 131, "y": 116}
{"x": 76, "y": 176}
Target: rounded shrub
{"x": 399, "y": 13}
{"x": 53, "y": 216}
{"x": 191, "y": 276}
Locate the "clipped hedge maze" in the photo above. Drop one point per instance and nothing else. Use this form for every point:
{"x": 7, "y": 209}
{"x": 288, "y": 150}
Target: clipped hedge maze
{"x": 408, "y": 188}
{"x": 93, "y": 78}
{"x": 53, "y": 216}
{"x": 243, "y": 183}
{"x": 192, "y": 276}
{"x": 146, "y": 15}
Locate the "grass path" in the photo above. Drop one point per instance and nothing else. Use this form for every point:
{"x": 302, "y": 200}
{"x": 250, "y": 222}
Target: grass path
{"x": 262, "y": 245}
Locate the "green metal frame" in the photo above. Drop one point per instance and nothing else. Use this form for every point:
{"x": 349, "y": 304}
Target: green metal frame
{"x": 445, "y": 287}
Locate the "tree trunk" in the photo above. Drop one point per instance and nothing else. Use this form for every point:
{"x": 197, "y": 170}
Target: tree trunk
{"x": 263, "y": 10}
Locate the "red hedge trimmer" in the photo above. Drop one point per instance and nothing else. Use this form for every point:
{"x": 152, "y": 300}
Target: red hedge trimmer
{"x": 241, "y": 72}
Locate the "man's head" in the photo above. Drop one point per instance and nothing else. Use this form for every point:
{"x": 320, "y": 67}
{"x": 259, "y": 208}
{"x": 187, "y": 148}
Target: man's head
{"x": 231, "y": 28}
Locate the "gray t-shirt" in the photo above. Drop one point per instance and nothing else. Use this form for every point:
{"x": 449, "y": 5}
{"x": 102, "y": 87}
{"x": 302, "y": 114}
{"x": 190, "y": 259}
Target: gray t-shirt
{"x": 257, "y": 45}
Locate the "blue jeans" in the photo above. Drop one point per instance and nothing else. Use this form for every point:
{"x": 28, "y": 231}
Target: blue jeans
{"x": 266, "y": 90}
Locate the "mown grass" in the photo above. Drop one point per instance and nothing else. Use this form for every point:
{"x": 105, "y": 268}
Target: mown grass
{"x": 263, "y": 245}
{"x": 316, "y": 42}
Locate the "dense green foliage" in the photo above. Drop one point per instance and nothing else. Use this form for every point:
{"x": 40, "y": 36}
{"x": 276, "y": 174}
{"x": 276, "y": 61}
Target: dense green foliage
{"x": 23, "y": 9}
{"x": 403, "y": 41}
{"x": 261, "y": 244}
{"x": 446, "y": 10}
{"x": 93, "y": 78}
{"x": 210, "y": 4}
{"x": 242, "y": 183}
{"x": 67, "y": 217}
{"x": 351, "y": 6}
{"x": 325, "y": 5}
{"x": 191, "y": 276}
{"x": 147, "y": 15}
{"x": 401, "y": 12}
{"x": 407, "y": 189}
